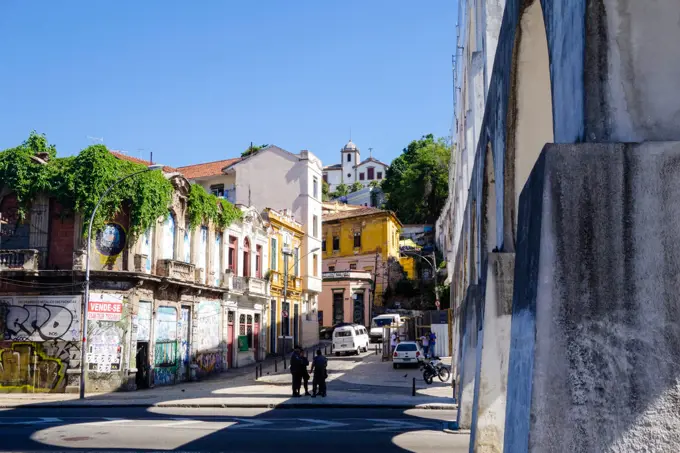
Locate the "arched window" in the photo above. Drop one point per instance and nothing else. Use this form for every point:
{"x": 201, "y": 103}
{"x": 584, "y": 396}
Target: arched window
{"x": 147, "y": 248}
{"x": 187, "y": 243}
{"x": 246, "y": 257}
{"x": 168, "y": 238}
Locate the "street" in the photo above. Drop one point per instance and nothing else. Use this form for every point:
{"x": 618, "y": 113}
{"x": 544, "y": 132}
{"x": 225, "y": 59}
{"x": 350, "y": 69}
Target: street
{"x": 233, "y": 430}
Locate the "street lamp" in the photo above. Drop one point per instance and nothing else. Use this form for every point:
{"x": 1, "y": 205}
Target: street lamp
{"x": 433, "y": 264}
{"x": 286, "y": 253}
{"x": 86, "y": 298}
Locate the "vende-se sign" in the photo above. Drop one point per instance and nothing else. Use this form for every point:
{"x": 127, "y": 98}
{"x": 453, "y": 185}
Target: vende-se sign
{"x": 105, "y": 307}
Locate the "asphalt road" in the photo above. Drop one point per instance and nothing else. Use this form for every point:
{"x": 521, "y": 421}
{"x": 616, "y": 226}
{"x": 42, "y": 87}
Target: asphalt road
{"x": 232, "y": 430}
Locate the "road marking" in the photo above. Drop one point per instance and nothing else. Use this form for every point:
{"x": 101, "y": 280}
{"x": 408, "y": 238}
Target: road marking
{"x": 40, "y": 421}
{"x": 110, "y": 421}
{"x": 393, "y": 425}
{"x": 320, "y": 424}
{"x": 177, "y": 423}
{"x": 249, "y": 423}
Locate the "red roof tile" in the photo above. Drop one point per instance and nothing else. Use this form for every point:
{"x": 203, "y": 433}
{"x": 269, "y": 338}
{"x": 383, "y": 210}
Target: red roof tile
{"x": 207, "y": 169}
{"x": 136, "y": 160}
{"x": 365, "y": 210}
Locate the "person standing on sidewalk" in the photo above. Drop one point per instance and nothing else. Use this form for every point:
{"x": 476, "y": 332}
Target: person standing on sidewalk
{"x": 433, "y": 341}
{"x": 393, "y": 343}
{"x": 305, "y": 374}
{"x": 425, "y": 340}
{"x": 296, "y": 371}
{"x": 320, "y": 373}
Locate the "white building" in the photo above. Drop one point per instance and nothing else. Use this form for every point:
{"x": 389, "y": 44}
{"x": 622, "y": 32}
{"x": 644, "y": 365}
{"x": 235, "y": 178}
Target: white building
{"x": 275, "y": 178}
{"x": 352, "y": 169}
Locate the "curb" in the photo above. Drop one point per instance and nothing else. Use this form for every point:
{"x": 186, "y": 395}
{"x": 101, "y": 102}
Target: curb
{"x": 235, "y": 406}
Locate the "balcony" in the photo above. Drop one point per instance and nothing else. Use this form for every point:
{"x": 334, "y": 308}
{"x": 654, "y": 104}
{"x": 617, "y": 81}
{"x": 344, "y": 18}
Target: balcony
{"x": 246, "y": 285}
{"x": 20, "y": 259}
{"x": 177, "y": 270}
{"x": 294, "y": 283}
{"x": 348, "y": 275}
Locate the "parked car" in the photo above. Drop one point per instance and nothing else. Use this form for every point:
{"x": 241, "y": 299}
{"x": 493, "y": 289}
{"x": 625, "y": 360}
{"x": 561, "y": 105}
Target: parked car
{"x": 350, "y": 339}
{"x": 326, "y": 332}
{"x": 407, "y": 353}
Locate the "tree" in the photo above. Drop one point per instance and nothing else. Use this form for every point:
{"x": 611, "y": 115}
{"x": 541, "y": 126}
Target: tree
{"x": 252, "y": 149}
{"x": 417, "y": 182}
{"x": 341, "y": 191}
{"x": 325, "y": 191}
{"x": 356, "y": 187}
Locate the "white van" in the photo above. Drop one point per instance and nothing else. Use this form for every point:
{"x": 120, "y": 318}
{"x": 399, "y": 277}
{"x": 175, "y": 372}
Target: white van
{"x": 381, "y": 321}
{"x": 350, "y": 339}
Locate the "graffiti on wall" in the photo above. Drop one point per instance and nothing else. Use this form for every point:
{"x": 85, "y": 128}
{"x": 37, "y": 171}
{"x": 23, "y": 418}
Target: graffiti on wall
{"x": 41, "y": 318}
{"x": 184, "y": 347}
{"x": 210, "y": 362}
{"x": 207, "y": 334}
{"x": 36, "y": 367}
{"x": 144, "y": 321}
{"x": 165, "y": 357}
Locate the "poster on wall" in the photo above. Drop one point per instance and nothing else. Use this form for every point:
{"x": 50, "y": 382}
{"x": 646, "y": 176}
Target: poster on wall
{"x": 105, "y": 307}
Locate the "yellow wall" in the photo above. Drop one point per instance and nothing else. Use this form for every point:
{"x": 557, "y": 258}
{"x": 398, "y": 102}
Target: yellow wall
{"x": 409, "y": 265}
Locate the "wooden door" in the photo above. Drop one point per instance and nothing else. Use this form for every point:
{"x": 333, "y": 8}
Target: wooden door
{"x": 230, "y": 339}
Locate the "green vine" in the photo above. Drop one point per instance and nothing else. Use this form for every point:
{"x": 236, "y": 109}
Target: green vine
{"x": 204, "y": 207}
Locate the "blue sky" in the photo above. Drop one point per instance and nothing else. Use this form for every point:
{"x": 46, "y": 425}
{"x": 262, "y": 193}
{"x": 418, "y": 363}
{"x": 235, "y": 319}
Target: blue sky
{"x": 199, "y": 83}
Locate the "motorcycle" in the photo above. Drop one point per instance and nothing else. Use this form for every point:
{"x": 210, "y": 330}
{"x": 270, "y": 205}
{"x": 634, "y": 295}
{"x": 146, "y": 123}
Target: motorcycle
{"x": 434, "y": 368}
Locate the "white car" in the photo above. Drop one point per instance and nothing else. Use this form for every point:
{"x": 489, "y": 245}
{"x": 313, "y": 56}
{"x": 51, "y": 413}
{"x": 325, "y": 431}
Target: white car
{"x": 352, "y": 339}
{"x": 407, "y": 353}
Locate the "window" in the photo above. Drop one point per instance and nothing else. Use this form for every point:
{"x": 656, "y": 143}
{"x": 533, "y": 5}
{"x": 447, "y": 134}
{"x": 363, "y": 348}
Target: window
{"x": 316, "y": 265}
{"x": 323, "y": 245}
{"x": 349, "y": 175}
{"x": 379, "y": 175}
{"x": 325, "y": 178}
{"x": 361, "y": 177}
{"x": 232, "y": 253}
{"x": 274, "y": 255}
{"x": 370, "y": 172}
{"x": 315, "y": 226}
{"x": 258, "y": 261}
{"x": 357, "y": 239}
{"x": 296, "y": 257}
{"x": 331, "y": 268}
{"x": 249, "y": 330}
{"x": 353, "y": 266}
{"x": 349, "y": 158}
{"x": 217, "y": 190}
{"x": 168, "y": 240}
{"x": 242, "y": 325}
{"x": 316, "y": 187}
{"x": 407, "y": 347}
{"x": 336, "y": 243}
{"x": 217, "y": 259}
{"x": 187, "y": 244}
{"x": 246, "y": 257}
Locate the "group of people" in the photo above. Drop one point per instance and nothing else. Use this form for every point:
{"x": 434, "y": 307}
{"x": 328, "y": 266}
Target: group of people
{"x": 428, "y": 341}
{"x": 298, "y": 368}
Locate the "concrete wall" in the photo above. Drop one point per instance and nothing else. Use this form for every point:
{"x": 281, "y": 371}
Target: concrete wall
{"x": 595, "y": 354}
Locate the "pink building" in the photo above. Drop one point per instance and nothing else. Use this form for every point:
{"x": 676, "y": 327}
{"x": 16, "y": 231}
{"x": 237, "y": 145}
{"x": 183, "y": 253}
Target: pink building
{"x": 345, "y": 297}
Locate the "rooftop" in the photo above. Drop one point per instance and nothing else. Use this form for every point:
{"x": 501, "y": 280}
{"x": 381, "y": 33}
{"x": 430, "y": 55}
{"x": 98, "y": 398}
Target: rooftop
{"x": 207, "y": 169}
{"x": 122, "y": 156}
{"x": 360, "y": 211}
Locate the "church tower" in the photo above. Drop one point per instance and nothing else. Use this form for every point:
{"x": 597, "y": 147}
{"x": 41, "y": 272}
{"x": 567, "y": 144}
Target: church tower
{"x": 350, "y": 159}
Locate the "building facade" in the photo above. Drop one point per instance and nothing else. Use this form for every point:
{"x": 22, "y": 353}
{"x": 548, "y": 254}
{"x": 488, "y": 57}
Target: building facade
{"x": 346, "y": 298}
{"x": 360, "y": 239}
{"x": 352, "y": 169}
{"x": 169, "y": 307}
{"x": 287, "y": 308}
{"x": 275, "y": 178}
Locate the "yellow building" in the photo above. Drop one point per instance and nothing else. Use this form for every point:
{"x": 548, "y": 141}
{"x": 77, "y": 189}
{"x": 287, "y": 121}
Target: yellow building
{"x": 285, "y": 241}
{"x": 358, "y": 238}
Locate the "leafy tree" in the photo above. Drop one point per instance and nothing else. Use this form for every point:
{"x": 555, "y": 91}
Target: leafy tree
{"x": 355, "y": 187}
{"x": 416, "y": 183}
{"x": 375, "y": 183}
{"x": 252, "y": 149}
{"x": 325, "y": 191}
{"x": 341, "y": 191}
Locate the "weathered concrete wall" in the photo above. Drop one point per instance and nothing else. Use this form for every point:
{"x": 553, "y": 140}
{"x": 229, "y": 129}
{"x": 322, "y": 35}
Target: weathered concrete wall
{"x": 489, "y": 421}
{"x": 467, "y": 370}
{"x": 595, "y": 349}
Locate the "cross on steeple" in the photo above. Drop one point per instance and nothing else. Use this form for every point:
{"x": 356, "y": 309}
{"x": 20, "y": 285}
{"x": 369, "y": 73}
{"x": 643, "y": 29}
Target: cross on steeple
{"x": 370, "y": 153}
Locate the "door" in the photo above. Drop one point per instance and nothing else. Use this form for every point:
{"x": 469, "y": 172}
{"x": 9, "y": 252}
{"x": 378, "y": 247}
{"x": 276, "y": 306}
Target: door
{"x": 230, "y": 338}
{"x": 256, "y": 337}
{"x": 338, "y": 308}
{"x": 142, "y": 377}
{"x": 359, "y": 308}
{"x": 296, "y": 323}
{"x": 184, "y": 345}
{"x": 272, "y": 329}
